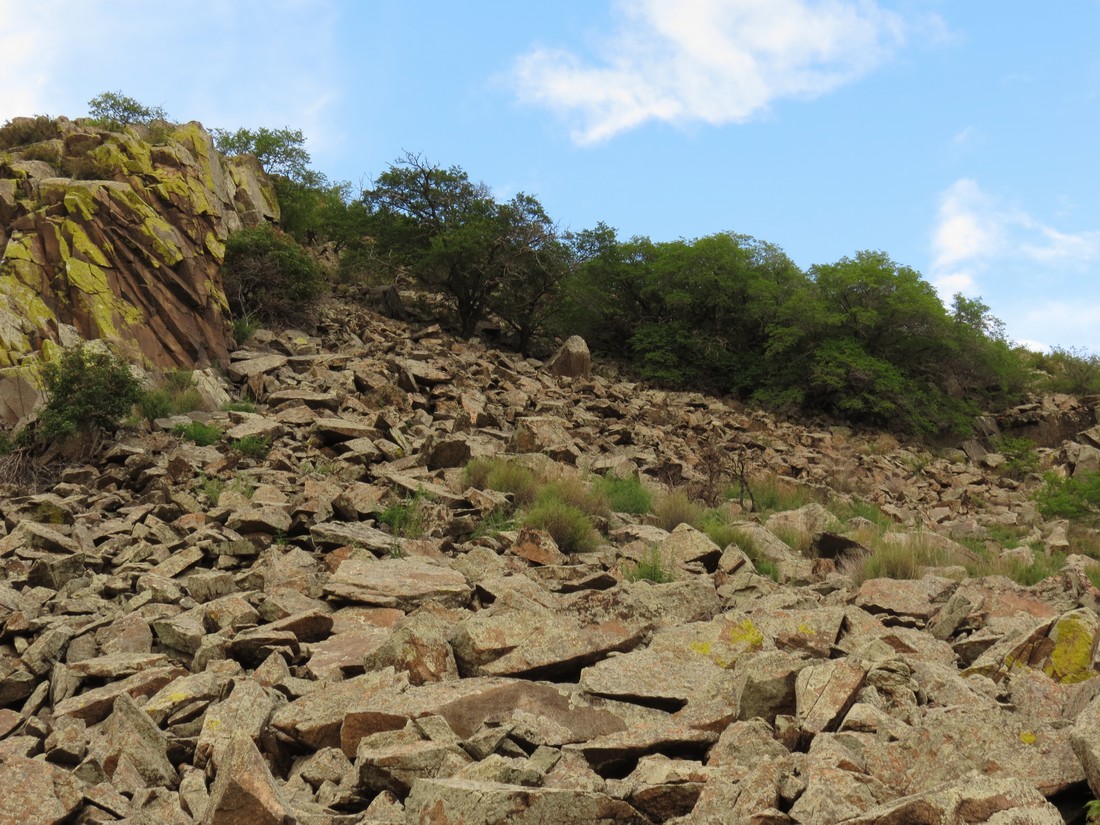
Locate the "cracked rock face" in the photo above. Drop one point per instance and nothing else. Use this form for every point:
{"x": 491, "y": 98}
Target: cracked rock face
{"x": 118, "y": 236}
{"x": 346, "y": 631}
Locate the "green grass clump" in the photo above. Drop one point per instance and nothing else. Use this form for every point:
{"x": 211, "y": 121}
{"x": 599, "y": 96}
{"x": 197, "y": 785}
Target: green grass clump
{"x": 675, "y": 509}
{"x": 244, "y": 327}
{"x": 175, "y": 395}
{"x": 239, "y": 406}
{"x": 405, "y": 518}
{"x": 651, "y": 568}
{"x": 503, "y": 476}
{"x": 493, "y": 524}
{"x": 202, "y": 434}
{"x": 253, "y": 446}
{"x": 775, "y": 495}
{"x": 569, "y": 526}
{"x": 574, "y": 492}
{"x": 858, "y": 508}
{"x": 212, "y": 488}
{"x": 625, "y": 495}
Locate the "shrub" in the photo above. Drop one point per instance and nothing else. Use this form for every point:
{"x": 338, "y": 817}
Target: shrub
{"x": 405, "y": 518}
{"x": 568, "y": 526}
{"x": 574, "y": 492}
{"x": 1020, "y": 456}
{"x": 504, "y": 476}
{"x": 1075, "y": 497}
{"x": 675, "y": 509}
{"x": 175, "y": 396}
{"x": 22, "y": 131}
{"x": 155, "y": 404}
{"x": 202, "y": 434}
{"x": 650, "y": 567}
{"x": 244, "y": 327}
{"x": 269, "y": 277}
{"x": 85, "y": 388}
{"x": 625, "y": 495}
{"x": 253, "y": 446}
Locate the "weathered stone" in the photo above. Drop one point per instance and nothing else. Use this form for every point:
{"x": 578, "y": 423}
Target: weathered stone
{"x": 572, "y": 360}
{"x": 94, "y": 705}
{"x": 824, "y": 692}
{"x": 247, "y": 710}
{"x": 133, "y": 737}
{"x": 489, "y": 803}
{"x": 244, "y": 792}
{"x": 400, "y": 583}
{"x": 33, "y": 792}
{"x": 974, "y": 798}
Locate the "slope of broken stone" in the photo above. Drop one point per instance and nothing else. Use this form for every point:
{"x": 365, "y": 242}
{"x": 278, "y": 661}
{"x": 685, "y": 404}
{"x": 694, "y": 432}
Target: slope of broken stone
{"x": 557, "y": 714}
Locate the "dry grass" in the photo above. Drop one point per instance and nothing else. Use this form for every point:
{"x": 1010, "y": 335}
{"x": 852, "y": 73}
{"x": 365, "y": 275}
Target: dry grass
{"x": 675, "y": 508}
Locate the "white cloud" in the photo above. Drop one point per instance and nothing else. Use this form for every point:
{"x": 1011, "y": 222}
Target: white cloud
{"x": 710, "y": 61}
{"x": 975, "y": 230}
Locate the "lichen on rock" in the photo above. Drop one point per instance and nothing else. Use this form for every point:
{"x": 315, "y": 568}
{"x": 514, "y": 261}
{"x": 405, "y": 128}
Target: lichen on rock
{"x": 128, "y": 247}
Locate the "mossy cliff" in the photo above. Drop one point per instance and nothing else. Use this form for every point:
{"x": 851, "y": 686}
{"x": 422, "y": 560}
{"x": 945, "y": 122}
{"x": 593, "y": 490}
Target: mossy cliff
{"x": 120, "y": 236}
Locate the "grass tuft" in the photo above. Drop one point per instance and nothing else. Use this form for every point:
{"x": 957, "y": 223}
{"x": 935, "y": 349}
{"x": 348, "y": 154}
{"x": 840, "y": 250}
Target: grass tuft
{"x": 651, "y": 567}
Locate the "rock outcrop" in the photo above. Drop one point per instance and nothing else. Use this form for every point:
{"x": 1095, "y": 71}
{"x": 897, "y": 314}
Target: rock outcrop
{"x": 191, "y": 635}
{"x": 119, "y": 236}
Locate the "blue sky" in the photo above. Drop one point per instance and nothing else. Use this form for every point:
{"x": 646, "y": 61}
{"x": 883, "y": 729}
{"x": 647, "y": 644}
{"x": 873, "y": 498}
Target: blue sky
{"x": 959, "y": 137}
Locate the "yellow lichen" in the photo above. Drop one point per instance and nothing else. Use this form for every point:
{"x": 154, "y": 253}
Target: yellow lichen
{"x": 1028, "y": 738}
{"x": 1071, "y": 659}
{"x": 745, "y": 633}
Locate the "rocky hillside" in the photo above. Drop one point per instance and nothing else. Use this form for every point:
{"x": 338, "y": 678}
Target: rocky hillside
{"x": 328, "y": 615}
{"x": 116, "y": 235}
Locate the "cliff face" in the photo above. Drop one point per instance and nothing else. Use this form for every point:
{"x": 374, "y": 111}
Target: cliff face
{"x": 119, "y": 236}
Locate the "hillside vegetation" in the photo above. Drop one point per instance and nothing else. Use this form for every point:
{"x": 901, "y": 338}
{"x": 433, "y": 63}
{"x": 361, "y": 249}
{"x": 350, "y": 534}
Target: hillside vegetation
{"x": 865, "y": 338}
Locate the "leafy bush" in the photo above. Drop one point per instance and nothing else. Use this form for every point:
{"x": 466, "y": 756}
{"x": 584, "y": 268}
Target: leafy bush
{"x": 651, "y": 567}
{"x": 568, "y": 526}
{"x": 1020, "y": 456}
{"x": 269, "y": 277}
{"x": 253, "y": 446}
{"x": 85, "y": 387}
{"x": 22, "y": 131}
{"x": 202, "y": 434}
{"x": 625, "y": 495}
{"x": 1074, "y": 498}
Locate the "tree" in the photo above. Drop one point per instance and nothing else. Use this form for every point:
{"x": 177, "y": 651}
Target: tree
{"x": 280, "y": 151}
{"x": 534, "y": 264}
{"x": 113, "y": 110}
{"x": 447, "y": 230}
